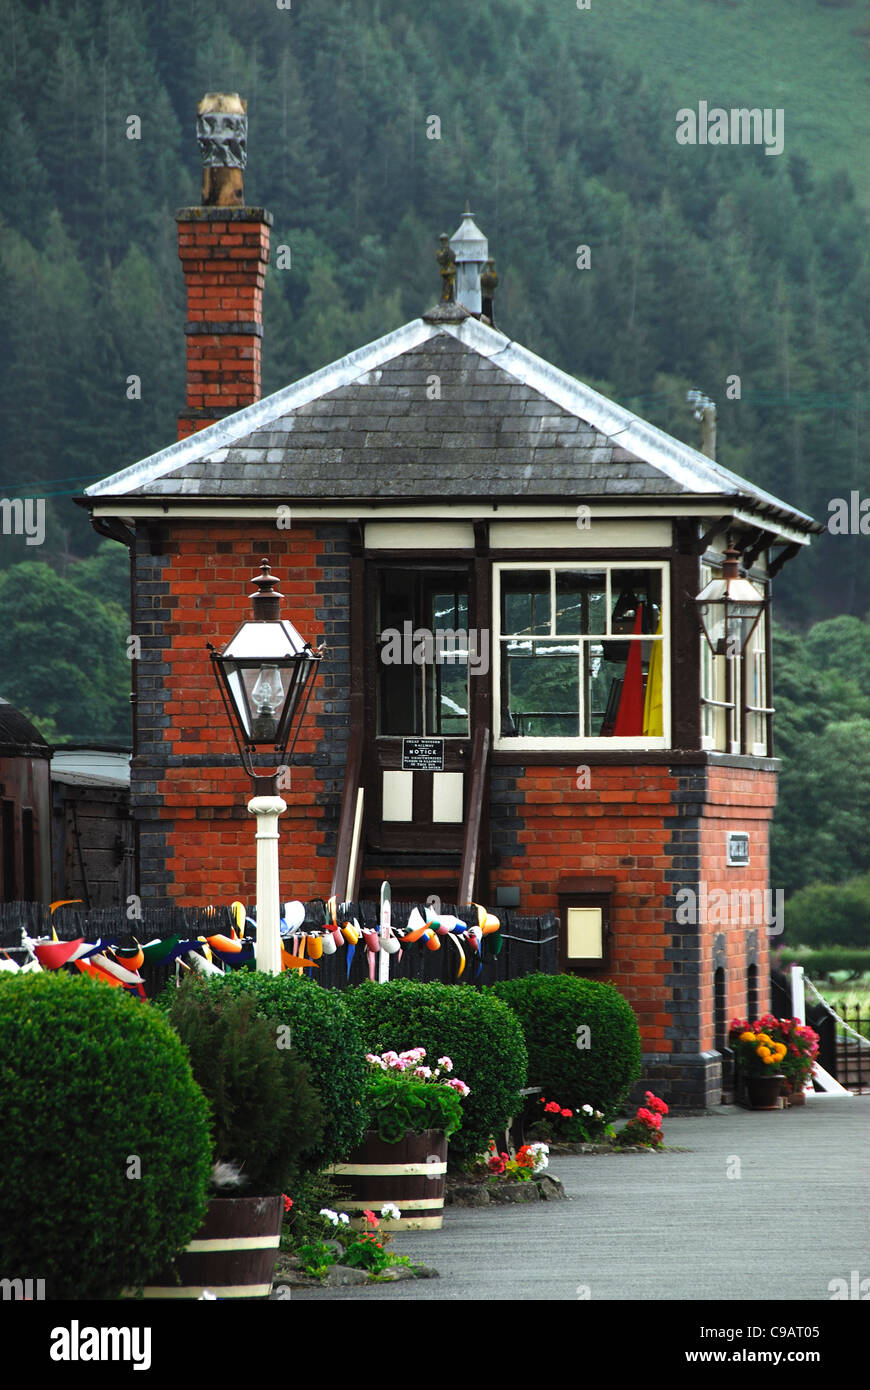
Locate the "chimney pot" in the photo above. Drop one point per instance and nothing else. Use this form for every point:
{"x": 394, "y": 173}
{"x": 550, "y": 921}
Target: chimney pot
{"x": 222, "y": 132}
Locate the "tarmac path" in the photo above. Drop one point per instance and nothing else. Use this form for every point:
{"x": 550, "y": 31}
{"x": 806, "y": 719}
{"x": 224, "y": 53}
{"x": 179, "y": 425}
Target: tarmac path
{"x": 670, "y": 1225}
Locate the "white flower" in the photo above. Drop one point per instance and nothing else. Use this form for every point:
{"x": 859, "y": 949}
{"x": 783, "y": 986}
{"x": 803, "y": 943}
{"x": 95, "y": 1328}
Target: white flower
{"x": 331, "y": 1216}
{"x": 344, "y": 1218}
{"x": 423, "y": 1072}
{"x": 446, "y": 1063}
{"x": 540, "y": 1152}
{"x": 458, "y": 1085}
{"x": 391, "y": 1211}
{"x": 587, "y": 1109}
{"x": 599, "y": 1114}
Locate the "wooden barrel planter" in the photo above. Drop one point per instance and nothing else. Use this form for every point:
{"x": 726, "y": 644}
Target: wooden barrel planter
{"x": 232, "y": 1254}
{"x": 409, "y": 1173}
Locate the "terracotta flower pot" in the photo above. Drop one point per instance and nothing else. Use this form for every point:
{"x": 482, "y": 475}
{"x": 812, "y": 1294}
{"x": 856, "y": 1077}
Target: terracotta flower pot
{"x": 409, "y": 1173}
{"x": 764, "y": 1091}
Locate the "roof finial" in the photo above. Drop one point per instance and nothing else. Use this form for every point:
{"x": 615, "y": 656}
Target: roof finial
{"x": 446, "y": 259}
{"x": 488, "y": 283}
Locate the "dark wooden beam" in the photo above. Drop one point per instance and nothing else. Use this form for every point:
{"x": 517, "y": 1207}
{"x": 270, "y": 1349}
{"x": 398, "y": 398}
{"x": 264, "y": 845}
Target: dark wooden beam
{"x": 782, "y": 558}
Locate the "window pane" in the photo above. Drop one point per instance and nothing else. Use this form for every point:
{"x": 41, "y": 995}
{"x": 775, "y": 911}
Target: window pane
{"x": 628, "y": 589}
{"x": 422, "y": 653}
{"x": 540, "y": 689}
{"x": 447, "y": 699}
{"x": 525, "y": 602}
{"x": 581, "y": 602}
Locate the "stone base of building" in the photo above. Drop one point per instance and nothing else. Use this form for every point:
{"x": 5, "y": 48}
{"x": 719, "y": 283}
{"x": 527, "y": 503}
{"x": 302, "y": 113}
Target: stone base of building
{"x": 685, "y": 1080}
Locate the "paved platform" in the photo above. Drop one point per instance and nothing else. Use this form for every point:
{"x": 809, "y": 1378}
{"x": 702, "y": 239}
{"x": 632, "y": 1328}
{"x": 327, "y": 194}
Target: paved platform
{"x": 673, "y": 1225}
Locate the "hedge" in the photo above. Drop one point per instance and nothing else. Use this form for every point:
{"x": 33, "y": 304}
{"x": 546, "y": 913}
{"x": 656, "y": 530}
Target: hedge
{"x": 323, "y": 1032}
{"x": 92, "y": 1080}
{"x": 553, "y": 1009}
{"x": 266, "y": 1115}
{"x": 480, "y": 1034}
{"x": 826, "y": 961}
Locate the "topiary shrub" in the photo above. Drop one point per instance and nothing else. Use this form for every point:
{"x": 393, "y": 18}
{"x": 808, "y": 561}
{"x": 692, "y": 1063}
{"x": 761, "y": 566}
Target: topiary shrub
{"x": 551, "y": 1009}
{"x": 92, "y": 1080}
{"x": 324, "y": 1034}
{"x": 266, "y": 1115}
{"x": 479, "y": 1033}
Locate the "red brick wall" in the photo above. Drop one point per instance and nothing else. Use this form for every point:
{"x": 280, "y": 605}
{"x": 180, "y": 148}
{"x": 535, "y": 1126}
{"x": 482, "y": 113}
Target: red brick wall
{"x": 224, "y": 253}
{"x": 210, "y": 857}
{"x": 623, "y": 827}
{"x": 739, "y": 799}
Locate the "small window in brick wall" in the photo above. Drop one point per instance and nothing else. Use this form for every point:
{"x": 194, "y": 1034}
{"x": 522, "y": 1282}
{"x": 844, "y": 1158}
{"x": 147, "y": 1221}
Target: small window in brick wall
{"x": 585, "y": 908}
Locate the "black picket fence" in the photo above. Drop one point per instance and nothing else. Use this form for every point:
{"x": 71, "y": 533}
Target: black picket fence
{"x": 522, "y": 946}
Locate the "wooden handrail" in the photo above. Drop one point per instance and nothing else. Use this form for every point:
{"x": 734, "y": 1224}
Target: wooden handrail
{"x": 344, "y": 845}
{"x": 474, "y": 822}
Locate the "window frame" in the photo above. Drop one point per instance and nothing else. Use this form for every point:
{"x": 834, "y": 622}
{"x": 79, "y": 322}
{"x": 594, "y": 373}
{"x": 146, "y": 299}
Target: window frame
{"x": 566, "y": 743}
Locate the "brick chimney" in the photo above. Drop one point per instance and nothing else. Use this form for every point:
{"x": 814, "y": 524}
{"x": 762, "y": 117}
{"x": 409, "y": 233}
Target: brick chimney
{"x": 224, "y": 251}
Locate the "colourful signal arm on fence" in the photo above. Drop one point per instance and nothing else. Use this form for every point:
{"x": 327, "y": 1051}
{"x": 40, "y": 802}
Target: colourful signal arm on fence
{"x": 486, "y": 920}
{"x": 296, "y": 962}
{"x": 134, "y": 961}
{"x": 53, "y": 954}
{"x": 228, "y": 945}
{"x": 237, "y": 913}
{"x": 159, "y": 951}
{"x": 458, "y": 944}
{"x": 62, "y": 902}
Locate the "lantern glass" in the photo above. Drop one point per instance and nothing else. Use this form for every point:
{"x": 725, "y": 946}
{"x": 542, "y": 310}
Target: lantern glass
{"x": 728, "y": 610}
{"x": 266, "y": 671}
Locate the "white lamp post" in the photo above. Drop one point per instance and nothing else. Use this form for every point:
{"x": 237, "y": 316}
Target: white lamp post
{"x": 265, "y": 674}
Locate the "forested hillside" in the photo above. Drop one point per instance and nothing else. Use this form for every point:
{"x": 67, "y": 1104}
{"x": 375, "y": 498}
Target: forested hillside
{"x": 558, "y": 124}
{"x": 704, "y": 262}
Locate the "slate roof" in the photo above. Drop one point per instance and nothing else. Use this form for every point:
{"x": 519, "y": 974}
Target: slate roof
{"x": 507, "y": 425}
{"x": 17, "y": 735}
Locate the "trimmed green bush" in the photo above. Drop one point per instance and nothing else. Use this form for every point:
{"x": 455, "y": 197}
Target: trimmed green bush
{"x": 825, "y": 961}
{"x": 824, "y": 915}
{"x": 324, "y": 1034}
{"x": 480, "y": 1034}
{"x": 266, "y": 1115}
{"x": 90, "y": 1081}
{"x": 551, "y": 1009}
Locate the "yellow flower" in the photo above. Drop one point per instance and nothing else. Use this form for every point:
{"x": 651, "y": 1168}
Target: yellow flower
{"x": 763, "y": 1038}
{"x": 747, "y": 1037}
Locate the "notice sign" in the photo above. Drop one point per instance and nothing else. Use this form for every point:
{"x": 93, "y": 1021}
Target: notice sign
{"x": 422, "y": 755}
{"x": 738, "y": 847}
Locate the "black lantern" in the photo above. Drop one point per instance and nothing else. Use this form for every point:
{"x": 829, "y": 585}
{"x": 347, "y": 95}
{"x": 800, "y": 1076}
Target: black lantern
{"x": 265, "y": 674}
{"x": 729, "y": 608}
